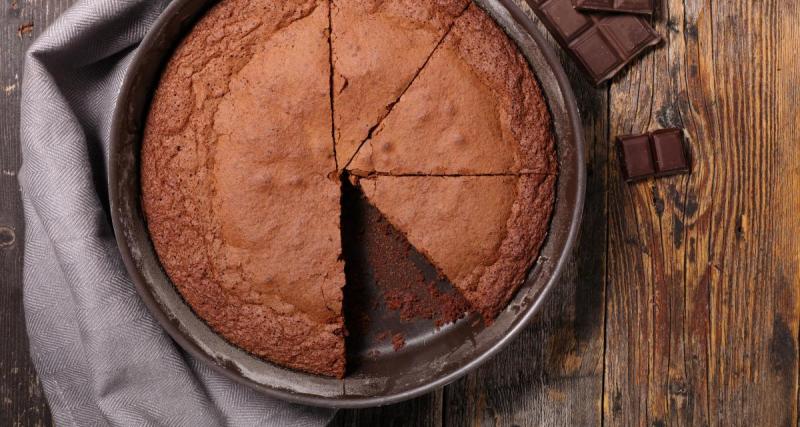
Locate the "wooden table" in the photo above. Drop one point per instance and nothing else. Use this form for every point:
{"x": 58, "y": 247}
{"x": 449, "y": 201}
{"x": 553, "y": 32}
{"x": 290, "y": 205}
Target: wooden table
{"x": 681, "y": 305}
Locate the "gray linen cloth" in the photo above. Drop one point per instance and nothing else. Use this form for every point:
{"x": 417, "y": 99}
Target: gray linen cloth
{"x": 103, "y": 360}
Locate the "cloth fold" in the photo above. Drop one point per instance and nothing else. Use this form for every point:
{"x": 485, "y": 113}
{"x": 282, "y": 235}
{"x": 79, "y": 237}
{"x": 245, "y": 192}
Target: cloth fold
{"x": 102, "y": 359}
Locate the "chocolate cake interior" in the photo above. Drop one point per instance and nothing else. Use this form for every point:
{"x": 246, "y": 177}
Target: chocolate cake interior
{"x": 392, "y": 290}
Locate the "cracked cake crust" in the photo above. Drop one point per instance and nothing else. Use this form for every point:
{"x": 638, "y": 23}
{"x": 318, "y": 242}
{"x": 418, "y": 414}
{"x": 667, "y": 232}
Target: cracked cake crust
{"x": 227, "y": 177}
{"x": 475, "y": 109}
{"x": 379, "y": 46}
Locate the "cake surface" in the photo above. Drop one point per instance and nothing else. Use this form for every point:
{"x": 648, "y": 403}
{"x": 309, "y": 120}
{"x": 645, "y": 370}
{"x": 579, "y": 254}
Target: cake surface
{"x": 227, "y": 178}
{"x": 483, "y": 232}
{"x": 256, "y": 116}
{"x": 378, "y": 47}
{"x": 475, "y": 109}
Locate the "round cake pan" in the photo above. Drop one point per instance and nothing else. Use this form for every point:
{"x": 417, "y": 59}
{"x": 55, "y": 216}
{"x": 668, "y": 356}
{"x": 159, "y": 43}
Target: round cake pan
{"x": 432, "y": 357}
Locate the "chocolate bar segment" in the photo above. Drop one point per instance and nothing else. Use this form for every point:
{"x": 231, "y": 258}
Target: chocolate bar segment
{"x": 636, "y": 157}
{"x": 656, "y": 154}
{"x": 644, "y": 7}
{"x": 601, "y": 44}
{"x": 669, "y": 151}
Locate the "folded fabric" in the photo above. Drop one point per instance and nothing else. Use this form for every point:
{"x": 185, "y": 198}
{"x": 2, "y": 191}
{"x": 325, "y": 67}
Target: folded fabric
{"x": 101, "y": 357}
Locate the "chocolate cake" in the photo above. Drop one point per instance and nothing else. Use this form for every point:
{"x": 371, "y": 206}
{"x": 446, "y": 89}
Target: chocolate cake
{"x": 475, "y": 109}
{"x": 240, "y": 179}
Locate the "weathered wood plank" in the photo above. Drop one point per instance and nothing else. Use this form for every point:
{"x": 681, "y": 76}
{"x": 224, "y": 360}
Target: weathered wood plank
{"x": 783, "y": 345}
{"x": 702, "y": 292}
{"x": 754, "y": 302}
{"x": 21, "y": 400}
{"x": 425, "y": 411}
{"x": 552, "y": 373}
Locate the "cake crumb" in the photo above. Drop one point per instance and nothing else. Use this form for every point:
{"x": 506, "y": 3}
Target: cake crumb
{"x": 398, "y": 341}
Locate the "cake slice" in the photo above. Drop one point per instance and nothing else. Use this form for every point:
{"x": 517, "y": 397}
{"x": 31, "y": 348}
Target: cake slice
{"x": 474, "y": 109}
{"x": 236, "y": 194}
{"x": 378, "y": 48}
{"x": 483, "y": 233}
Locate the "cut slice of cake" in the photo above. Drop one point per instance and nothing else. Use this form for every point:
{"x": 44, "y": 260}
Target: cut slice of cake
{"x": 474, "y": 109}
{"x": 484, "y": 233}
{"x": 378, "y": 47}
{"x": 236, "y": 194}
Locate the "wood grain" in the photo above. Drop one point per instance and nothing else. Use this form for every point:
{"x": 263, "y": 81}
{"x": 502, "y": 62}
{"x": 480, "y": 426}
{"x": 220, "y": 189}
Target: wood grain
{"x": 703, "y": 279}
{"x": 425, "y": 411}
{"x": 21, "y": 399}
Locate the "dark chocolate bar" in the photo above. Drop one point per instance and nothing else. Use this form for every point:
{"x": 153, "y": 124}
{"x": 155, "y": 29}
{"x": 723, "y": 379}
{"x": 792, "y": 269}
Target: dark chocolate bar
{"x": 656, "y": 154}
{"x": 602, "y": 44}
{"x": 645, "y": 7}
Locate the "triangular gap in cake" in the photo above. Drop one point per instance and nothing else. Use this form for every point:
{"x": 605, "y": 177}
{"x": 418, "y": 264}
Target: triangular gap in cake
{"x": 379, "y": 48}
{"x": 386, "y": 277}
{"x": 475, "y": 109}
{"x": 484, "y": 233}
